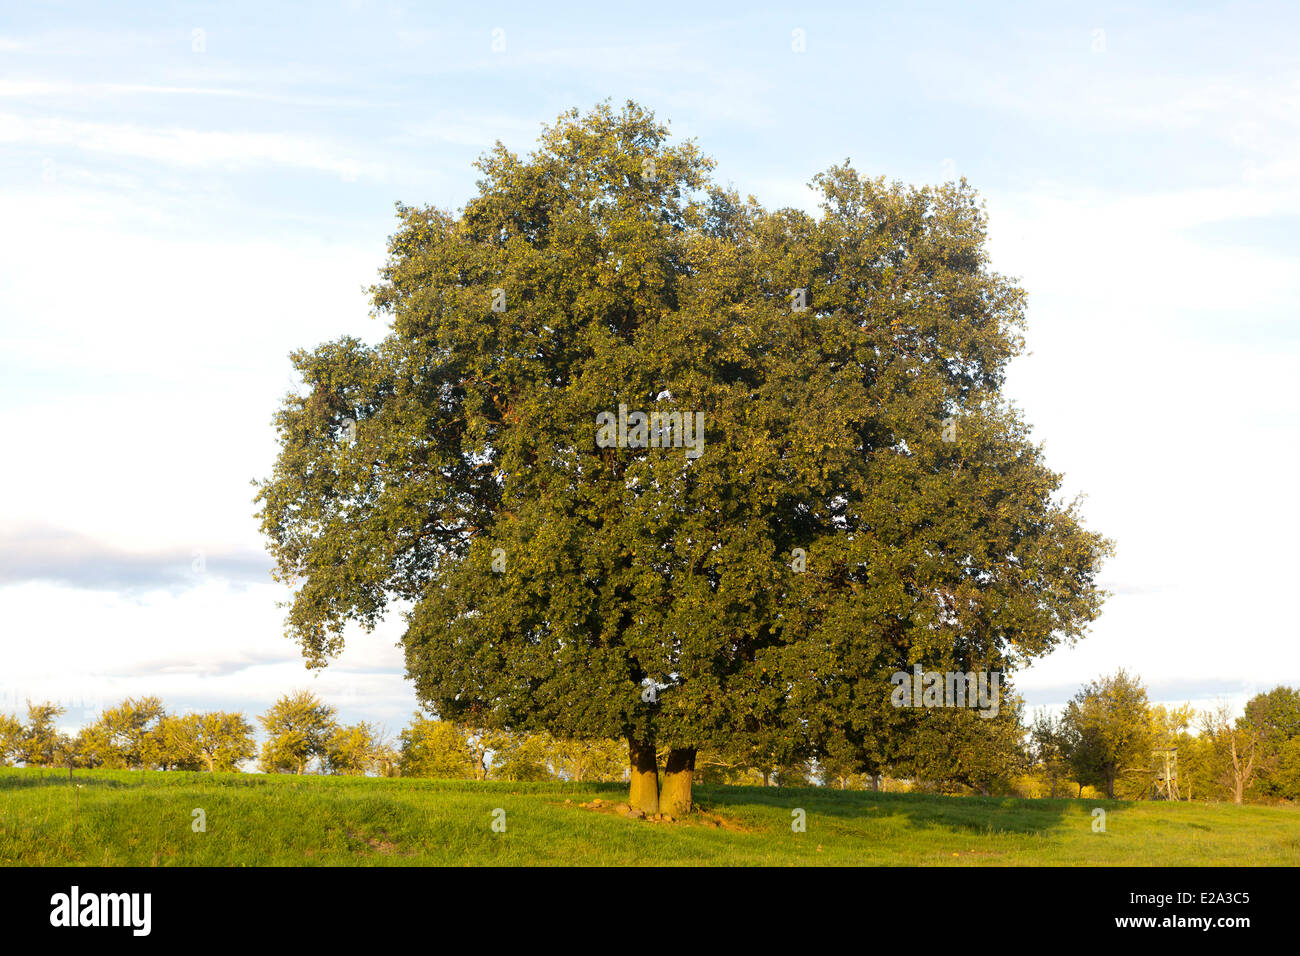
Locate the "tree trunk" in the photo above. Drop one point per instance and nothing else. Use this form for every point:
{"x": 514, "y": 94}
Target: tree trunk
{"x": 643, "y": 792}
{"x": 1240, "y": 777}
{"x": 480, "y": 759}
{"x": 679, "y": 773}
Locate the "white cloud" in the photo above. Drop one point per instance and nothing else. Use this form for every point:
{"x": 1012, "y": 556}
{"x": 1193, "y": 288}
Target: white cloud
{"x": 163, "y": 366}
{"x": 1178, "y": 429}
{"x": 208, "y": 648}
{"x": 80, "y": 93}
{"x": 185, "y": 147}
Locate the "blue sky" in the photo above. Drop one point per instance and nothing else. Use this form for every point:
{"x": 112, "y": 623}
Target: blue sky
{"x": 190, "y": 191}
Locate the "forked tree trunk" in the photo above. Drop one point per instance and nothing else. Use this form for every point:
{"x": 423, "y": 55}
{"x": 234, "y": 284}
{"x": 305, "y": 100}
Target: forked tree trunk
{"x": 643, "y": 793}
{"x": 679, "y": 773}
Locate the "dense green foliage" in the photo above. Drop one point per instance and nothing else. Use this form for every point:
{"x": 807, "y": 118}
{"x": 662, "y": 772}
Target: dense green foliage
{"x": 1108, "y": 731}
{"x": 864, "y": 498}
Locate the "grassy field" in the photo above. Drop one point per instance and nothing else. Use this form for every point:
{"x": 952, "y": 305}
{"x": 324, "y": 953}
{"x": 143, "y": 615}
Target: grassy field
{"x": 119, "y": 818}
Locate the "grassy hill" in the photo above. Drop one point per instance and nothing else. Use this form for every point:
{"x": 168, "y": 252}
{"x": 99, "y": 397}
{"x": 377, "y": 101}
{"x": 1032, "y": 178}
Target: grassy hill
{"x": 119, "y": 818}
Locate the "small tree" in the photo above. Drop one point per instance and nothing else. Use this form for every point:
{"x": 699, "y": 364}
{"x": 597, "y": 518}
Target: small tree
{"x": 298, "y": 728}
{"x": 482, "y": 743}
{"x": 1048, "y": 746}
{"x": 1109, "y": 732}
{"x": 173, "y": 745}
{"x": 224, "y": 740}
{"x": 11, "y": 739}
{"x": 354, "y": 751}
{"x": 1235, "y": 745}
{"x": 75, "y": 752}
{"x": 522, "y": 756}
{"x": 582, "y": 760}
{"x": 215, "y": 741}
{"x": 1286, "y": 782}
{"x": 435, "y": 748}
{"x": 124, "y": 736}
{"x": 1276, "y": 716}
{"x": 387, "y": 761}
{"x": 41, "y": 743}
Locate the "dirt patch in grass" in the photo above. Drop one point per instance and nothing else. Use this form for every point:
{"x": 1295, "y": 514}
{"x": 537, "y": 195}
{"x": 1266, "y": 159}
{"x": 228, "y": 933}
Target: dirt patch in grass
{"x": 722, "y": 823}
{"x": 379, "y": 844}
{"x": 697, "y": 817}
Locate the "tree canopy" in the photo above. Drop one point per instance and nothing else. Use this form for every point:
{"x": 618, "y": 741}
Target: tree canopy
{"x": 863, "y": 498}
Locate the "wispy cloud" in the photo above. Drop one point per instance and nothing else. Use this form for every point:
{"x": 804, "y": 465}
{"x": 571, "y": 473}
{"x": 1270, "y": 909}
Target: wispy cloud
{"x": 31, "y": 553}
{"x": 1199, "y": 692}
{"x": 185, "y": 147}
{"x": 22, "y": 89}
{"x": 212, "y": 667}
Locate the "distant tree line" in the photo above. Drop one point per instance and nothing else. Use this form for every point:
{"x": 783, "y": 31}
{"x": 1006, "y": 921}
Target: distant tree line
{"x": 302, "y": 735}
{"x": 138, "y": 734}
{"x": 1112, "y": 739}
{"x": 1109, "y": 741}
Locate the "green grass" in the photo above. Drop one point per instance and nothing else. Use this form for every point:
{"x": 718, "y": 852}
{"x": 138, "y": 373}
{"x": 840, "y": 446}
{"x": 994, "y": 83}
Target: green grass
{"x": 120, "y": 818}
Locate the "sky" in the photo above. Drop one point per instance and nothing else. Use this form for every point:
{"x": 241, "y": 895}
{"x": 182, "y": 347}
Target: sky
{"x": 188, "y": 192}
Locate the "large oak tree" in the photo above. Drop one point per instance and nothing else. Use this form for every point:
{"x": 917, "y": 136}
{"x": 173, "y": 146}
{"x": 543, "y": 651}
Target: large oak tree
{"x": 864, "y": 498}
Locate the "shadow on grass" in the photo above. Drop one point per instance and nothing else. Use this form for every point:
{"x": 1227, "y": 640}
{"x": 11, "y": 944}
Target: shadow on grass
{"x": 59, "y": 778}
{"x": 920, "y": 811}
